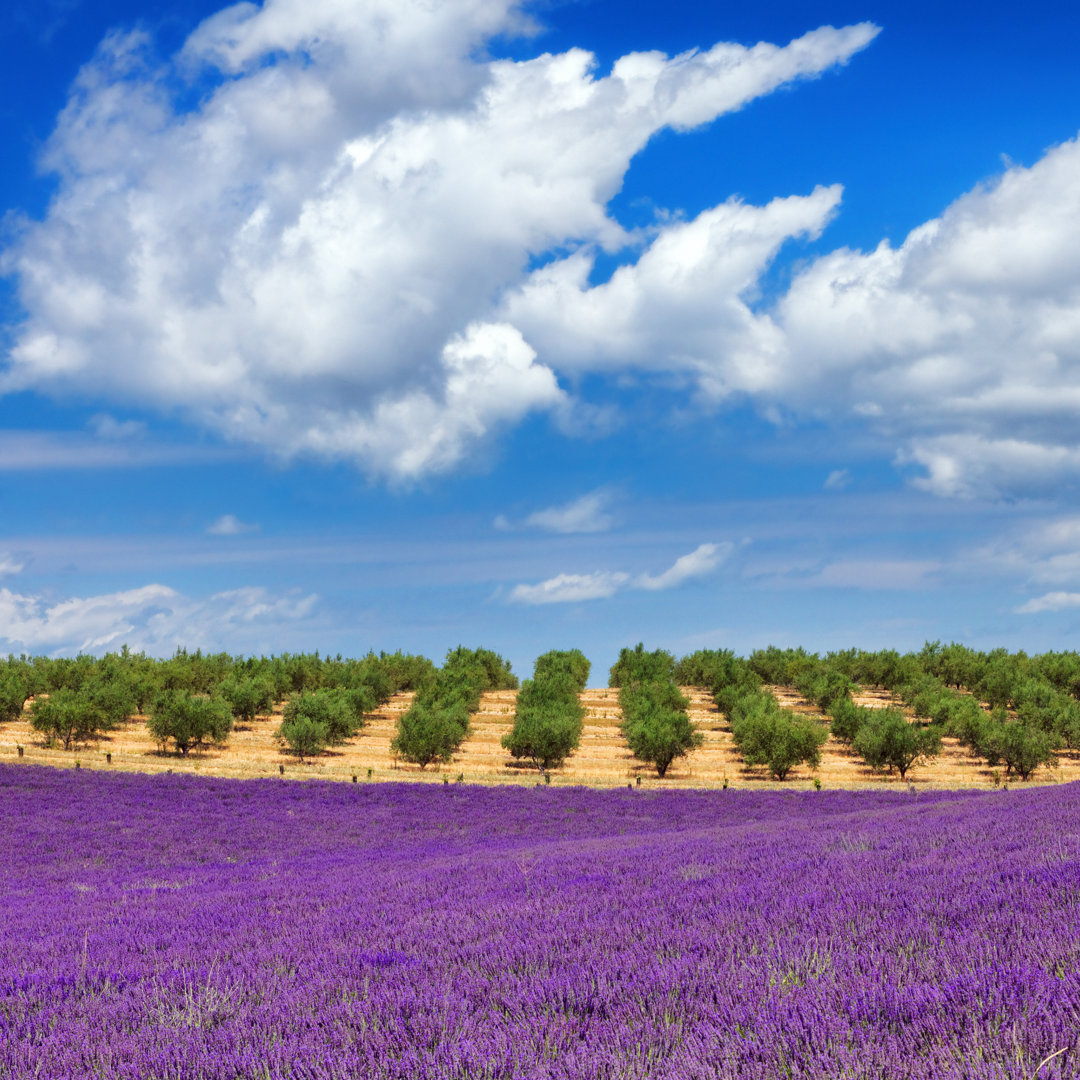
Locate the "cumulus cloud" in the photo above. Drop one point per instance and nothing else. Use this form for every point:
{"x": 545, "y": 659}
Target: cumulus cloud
{"x": 570, "y": 588}
{"x": 961, "y": 345}
{"x": 328, "y": 254}
{"x": 968, "y": 465}
{"x": 963, "y": 342}
{"x": 154, "y": 618}
{"x": 230, "y": 525}
{"x": 699, "y": 562}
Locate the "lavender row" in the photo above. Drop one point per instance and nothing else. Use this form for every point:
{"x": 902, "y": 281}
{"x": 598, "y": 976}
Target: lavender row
{"x": 182, "y": 927}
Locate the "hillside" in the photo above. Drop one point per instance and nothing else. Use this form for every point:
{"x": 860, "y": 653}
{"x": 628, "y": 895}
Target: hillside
{"x": 603, "y": 758}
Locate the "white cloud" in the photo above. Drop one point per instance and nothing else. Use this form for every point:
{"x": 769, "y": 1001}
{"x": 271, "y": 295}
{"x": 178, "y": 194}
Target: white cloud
{"x": 964, "y": 342}
{"x": 1044, "y": 552}
{"x": 313, "y": 258}
{"x": 153, "y": 618}
{"x": 699, "y": 562}
{"x": 961, "y": 346}
{"x": 108, "y": 427}
{"x": 837, "y": 480}
{"x": 682, "y": 306}
{"x": 587, "y": 514}
{"x": 10, "y": 564}
{"x": 230, "y": 525}
{"x": 969, "y": 465}
{"x": 1054, "y": 601}
{"x": 570, "y": 588}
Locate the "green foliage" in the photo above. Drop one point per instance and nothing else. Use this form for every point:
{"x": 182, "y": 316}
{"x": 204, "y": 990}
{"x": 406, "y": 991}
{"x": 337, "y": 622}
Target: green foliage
{"x": 845, "y": 718}
{"x": 248, "y": 697}
{"x": 305, "y": 736}
{"x": 438, "y": 721}
{"x": 548, "y": 720}
{"x": 497, "y": 670}
{"x": 822, "y": 685}
{"x": 68, "y": 717}
{"x": 655, "y": 723}
{"x": 12, "y": 696}
{"x": 778, "y": 667}
{"x": 638, "y": 666}
{"x": 549, "y": 716}
{"x": 568, "y": 662}
{"x": 428, "y": 733}
{"x": 1022, "y": 749}
{"x": 406, "y": 672}
{"x": 113, "y": 694}
{"x": 190, "y": 720}
{"x": 775, "y": 737}
{"x": 885, "y": 740}
{"x": 334, "y": 709}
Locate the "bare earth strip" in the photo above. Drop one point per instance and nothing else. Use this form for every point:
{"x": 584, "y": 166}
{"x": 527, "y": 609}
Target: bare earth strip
{"x": 602, "y": 760}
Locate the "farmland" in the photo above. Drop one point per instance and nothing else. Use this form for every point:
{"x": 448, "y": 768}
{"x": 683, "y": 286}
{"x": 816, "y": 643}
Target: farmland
{"x": 602, "y": 760}
{"x": 946, "y": 717}
{"x": 182, "y": 927}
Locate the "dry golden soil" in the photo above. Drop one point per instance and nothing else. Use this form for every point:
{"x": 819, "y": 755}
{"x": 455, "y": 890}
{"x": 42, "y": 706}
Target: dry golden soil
{"x": 602, "y": 760}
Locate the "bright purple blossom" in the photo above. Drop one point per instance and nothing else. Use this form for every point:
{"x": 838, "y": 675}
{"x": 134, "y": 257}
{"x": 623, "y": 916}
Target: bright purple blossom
{"x": 179, "y": 927}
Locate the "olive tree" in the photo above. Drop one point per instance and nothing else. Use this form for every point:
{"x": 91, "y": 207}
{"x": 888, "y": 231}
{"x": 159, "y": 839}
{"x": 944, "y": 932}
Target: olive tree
{"x": 548, "y": 719}
{"x": 429, "y": 732}
{"x": 331, "y": 708}
{"x": 248, "y": 697}
{"x": 12, "y": 697}
{"x": 655, "y": 723}
{"x": 68, "y": 717}
{"x": 1021, "y": 748}
{"x": 887, "y": 741}
{"x": 304, "y": 735}
{"x": 774, "y": 737}
{"x": 190, "y": 720}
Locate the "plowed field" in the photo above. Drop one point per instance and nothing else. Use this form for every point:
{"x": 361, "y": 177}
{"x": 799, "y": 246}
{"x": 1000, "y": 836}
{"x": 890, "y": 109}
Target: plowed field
{"x": 602, "y": 760}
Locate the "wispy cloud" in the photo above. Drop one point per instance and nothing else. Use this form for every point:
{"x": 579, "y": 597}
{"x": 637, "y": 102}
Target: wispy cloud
{"x": 837, "y": 480}
{"x": 34, "y": 451}
{"x": 108, "y": 427}
{"x": 154, "y": 618}
{"x": 230, "y": 525}
{"x": 570, "y": 588}
{"x": 1052, "y": 601}
{"x": 10, "y": 564}
{"x": 599, "y": 585}
{"x": 701, "y": 561}
{"x": 587, "y": 514}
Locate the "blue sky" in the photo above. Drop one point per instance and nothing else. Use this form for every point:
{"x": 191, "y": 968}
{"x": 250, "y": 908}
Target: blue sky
{"x": 353, "y": 325}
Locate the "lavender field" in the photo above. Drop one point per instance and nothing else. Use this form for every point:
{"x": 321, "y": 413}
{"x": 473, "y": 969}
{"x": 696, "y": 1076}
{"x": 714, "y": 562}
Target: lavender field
{"x": 182, "y": 927}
